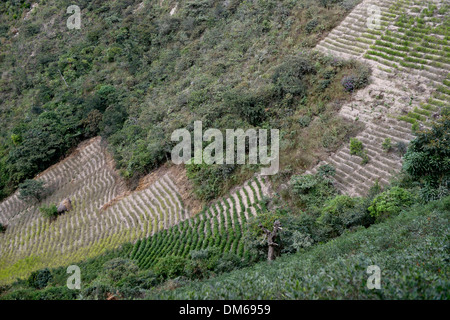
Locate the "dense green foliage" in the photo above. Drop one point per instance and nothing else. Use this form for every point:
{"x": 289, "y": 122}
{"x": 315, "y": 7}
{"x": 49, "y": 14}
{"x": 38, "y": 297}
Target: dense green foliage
{"x": 31, "y": 190}
{"x": 49, "y": 212}
{"x": 310, "y": 191}
{"x": 357, "y": 149}
{"x": 39, "y": 279}
{"x": 387, "y": 144}
{"x": 411, "y": 250}
{"x": 428, "y": 160}
{"x": 390, "y": 203}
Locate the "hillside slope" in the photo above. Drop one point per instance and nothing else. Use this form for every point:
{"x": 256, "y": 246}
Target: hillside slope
{"x": 105, "y": 215}
{"x": 409, "y": 53}
{"x": 411, "y": 251}
{"x": 136, "y": 71}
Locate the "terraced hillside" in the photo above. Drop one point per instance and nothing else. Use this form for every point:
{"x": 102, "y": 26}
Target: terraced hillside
{"x": 410, "y": 56}
{"x": 106, "y": 216}
{"x": 220, "y": 225}
{"x": 88, "y": 179}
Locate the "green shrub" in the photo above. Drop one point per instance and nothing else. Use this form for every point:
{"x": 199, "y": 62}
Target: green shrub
{"x": 133, "y": 283}
{"x": 31, "y": 190}
{"x": 323, "y": 84}
{"x": 343, "y": 213}
{"x": 427, "y": 160}
{"x": 288, "y": 77}
{"x": 390, "y": 203}
{"x": 386, "y": 145}
{"x": 249, "y": 106}
{"x": 209, "y": 180}
{"x": 32, "y": 30}
{"x": 357, "y": 148}
{"x": 119, "y": 268}
{"x": 312, "y": 190}
{"x": 228, "y": 262}
{"x": 304, "y": 121}
{"x": 170, "y": 267}
{"x": 112, "y": 120}
{"x": 357, "y": 80}
{"x": 91, "y": 123}
{"x": 2, "y": 228}
{"x": 326, "y": 171}
{"x": 39, "y": 279}
{"x": 339, "y": 205}
{"x": 50, "y": 293}
{"x": 206, "y": 262}
{"x": 49, "y": 212}
{"x": 97, "y": 291}
{"x": 311, "y": 25}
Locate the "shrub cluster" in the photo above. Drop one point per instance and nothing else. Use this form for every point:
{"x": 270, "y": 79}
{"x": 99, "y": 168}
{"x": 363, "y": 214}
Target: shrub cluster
{"x": 427, "y": 160}
{"x": 312, "y": 190}
{"x": 390, "y": 203}
{"x": 39, "y": 279}
{"x": 49, "y": 212}
{"x": 357, "y": 149}
{"x": 357, "y": 80}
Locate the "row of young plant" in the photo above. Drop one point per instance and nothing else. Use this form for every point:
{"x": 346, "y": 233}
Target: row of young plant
{"x": 411, "y": 45}
{"x": 220, "y": 226}
{"x": 216, "y": 235}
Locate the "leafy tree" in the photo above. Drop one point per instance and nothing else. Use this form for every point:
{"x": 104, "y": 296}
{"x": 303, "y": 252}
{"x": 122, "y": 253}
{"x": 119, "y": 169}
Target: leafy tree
{"x": 112, "y": 120}
{"x": 341, "y": 213}
{"x": 91, "y": 123}
{"x": 170, "y": 267}
{"x": 249, "y": 106}
{"x": 289, "y": 76}
{"x": 428, "y": 159}
{"x": 202, "y": 262}
{"x": 390, "y": 203}
{"x": 208, "y": 179}
{"x": 43, "y": 142}
{"x": 117, "y": 269}
{"x": 39, "y": 279}
{"x": 31, "y": 190}
{"x": 313, "y": 190}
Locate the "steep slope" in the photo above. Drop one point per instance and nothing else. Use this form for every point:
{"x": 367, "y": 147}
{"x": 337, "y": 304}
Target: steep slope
{"x": 87, "y": 178}
{"x": 409, "y": 250}
{"x": 409, "y": 85}
{"x": 105, "y": 215}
